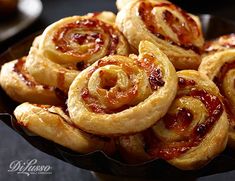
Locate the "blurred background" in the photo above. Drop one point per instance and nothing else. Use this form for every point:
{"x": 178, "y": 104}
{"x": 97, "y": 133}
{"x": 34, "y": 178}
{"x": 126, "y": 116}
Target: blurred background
{"x": 30, "y": 19}
{"x": 55, "y": 9}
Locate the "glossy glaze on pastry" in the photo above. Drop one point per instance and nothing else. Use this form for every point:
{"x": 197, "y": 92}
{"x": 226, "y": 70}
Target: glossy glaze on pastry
{"x": 189, "y": 134}
{"x": 83, "y": 39}
{"x": 115, "y": 95}
{"x": 175, "y": 32}
{"x": 220, "y": 67}
{"x": 71, "y": 44}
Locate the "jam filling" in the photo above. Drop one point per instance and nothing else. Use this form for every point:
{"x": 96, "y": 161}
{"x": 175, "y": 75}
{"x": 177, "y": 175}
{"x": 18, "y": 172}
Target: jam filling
{"x": 218, "y": 81}
{"x": 185, "y": 82}
{"x": 185, "y": 35}
{"x": 95, "y": 38}
{"x": 147, "y": 63}
{"x": 180, "y": 122}
{"x": 155, "y": 79}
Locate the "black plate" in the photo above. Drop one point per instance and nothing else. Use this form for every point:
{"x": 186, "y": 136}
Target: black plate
{"x": 98, "y": 161}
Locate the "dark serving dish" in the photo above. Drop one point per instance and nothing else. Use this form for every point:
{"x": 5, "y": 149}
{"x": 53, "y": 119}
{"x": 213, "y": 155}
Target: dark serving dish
{"x": 98, "y": 161}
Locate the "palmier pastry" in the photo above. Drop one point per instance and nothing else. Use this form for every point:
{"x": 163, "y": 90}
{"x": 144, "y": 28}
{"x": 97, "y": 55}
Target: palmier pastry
{"x": 71, "y": 44}
{"x": 192, "y": 133}
{"x": 220, "y": 67}
{"x": 54, "y": 124}
{"x": 175, "y": 32}
{"x": 115, "y": 95}
{"x": 21, "y": 86}
{"x": 82, "y": 39}
{"x": 48, "y": 72}
{"x": 222, "y": 43}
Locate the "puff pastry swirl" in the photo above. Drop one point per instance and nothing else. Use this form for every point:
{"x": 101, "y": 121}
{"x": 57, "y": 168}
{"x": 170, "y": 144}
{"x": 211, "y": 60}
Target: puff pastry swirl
{"x": 71, "y": 44}
{"x": 54, "y": 124}
{"x": 175, "y": 32}
{"x": 189, "y": 134}
{"x": 115, "y": 95}
{"x": 83, "y": 38}
{"x": 21, "y": 86}
{"x": 220, "y": 67}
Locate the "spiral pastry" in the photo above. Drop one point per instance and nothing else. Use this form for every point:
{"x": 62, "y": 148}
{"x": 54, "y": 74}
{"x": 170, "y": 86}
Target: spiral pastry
{"x": 82, "y": 39}
{"x": 22, "y": 87}
{"x": 193, "y": 132}
{"x": 175, "y": 32}
{"x": 222, "y": 43}
{"x": 115, "y": 95}
{"x": 220, "y": 67}
{"x": 70, "y": 45}
{"x": 54, "y": 124}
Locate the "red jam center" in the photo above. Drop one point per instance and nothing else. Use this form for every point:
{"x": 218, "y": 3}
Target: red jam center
{"x": 154, "y": 73}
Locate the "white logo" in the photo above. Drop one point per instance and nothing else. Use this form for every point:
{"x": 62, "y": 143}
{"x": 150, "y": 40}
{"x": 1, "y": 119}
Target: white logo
{"x": 29, "y": 167}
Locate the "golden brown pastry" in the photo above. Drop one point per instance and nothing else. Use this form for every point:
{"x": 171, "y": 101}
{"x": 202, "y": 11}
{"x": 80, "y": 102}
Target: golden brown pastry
{"x": 175, "y": 32}
{"x": 54, "y": 124}
{"x": 114, "y": 96}
{"x": 21, "y": 86}
{"x": 82, "y": 39}
{"x": 220, "y": 67}
{"x": 71, "y": 44}
{"x": 192, "y": 133}
{"x": 219, "y": 44}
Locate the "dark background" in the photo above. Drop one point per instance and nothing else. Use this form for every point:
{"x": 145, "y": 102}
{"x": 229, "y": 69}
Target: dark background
{"x": 14, "y": 147}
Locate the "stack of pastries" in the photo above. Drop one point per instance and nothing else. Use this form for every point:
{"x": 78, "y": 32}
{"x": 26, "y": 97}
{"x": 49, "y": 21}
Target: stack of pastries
{"x": 142, "y": 83}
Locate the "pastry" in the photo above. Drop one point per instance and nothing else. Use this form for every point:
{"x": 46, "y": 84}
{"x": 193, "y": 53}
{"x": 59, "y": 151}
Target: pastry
{"x": 192, "y": 133}
{"x": 175, "y": 32}
{"x": 54, "y": 124}
{"x": 219, "y": 44}
{"x": 114, "y": 96}
{"x": 82, "y": 39}
{"x": 71, "y": 44}
{"x": 220, "y": 67}
{"x": 21, "y": 86}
